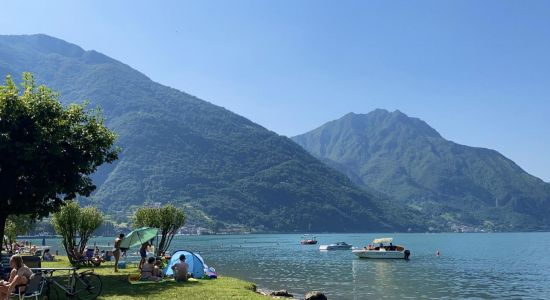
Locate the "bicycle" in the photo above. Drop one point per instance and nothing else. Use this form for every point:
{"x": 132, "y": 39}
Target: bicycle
{"x": 85, "y": 285}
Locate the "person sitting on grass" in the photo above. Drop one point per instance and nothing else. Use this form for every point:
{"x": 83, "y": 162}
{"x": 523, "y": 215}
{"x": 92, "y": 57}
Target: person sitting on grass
{"x": 149, "y": 270}
{"x": 47, "y": 256}
{"x": 158, "y": 269}
{"x": 97, "y": 260}
{"x": 19, "y": 275}
{"x": 181, "y": 269}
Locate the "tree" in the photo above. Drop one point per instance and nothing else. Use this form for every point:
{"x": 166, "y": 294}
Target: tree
{"x": 168, "y": 219}
{"x": 72, "y": 221}
{"x": 66, "y": 222}
{"x": 47, "y": 151}
{"x": 16, "y": 225}
{"x": 90, "y": 220}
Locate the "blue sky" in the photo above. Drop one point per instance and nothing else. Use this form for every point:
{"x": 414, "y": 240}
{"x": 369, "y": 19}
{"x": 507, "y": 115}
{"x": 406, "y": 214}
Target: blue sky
{"x": 476, "y": 71}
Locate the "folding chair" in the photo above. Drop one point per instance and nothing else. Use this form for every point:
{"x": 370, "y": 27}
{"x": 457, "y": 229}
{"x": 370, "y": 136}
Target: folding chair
{"x": 33, "y": 288}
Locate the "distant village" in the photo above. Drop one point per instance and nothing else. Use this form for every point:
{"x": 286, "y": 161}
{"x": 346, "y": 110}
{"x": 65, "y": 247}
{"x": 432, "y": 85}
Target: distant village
{"x": 466, "y": 228}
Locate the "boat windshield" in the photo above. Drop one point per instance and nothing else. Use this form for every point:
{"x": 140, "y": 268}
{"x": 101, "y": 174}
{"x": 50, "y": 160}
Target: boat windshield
{"x": 383, "y": 240}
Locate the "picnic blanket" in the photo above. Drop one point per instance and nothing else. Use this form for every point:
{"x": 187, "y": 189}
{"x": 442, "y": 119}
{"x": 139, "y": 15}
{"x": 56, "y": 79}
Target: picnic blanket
{"x": 135, "y": 279}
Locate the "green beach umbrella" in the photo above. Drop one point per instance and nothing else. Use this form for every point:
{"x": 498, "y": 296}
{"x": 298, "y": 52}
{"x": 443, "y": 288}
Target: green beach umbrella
{"x": 138, "y": 237}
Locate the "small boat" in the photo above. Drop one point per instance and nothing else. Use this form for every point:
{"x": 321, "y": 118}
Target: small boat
{"x": 336, "y": 246}
{"x": 383, "y": 248}
{"x": 306, "y": 240}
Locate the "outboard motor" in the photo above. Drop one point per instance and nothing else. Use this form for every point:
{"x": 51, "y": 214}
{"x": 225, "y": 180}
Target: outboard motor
{"x": 407, "y": 254}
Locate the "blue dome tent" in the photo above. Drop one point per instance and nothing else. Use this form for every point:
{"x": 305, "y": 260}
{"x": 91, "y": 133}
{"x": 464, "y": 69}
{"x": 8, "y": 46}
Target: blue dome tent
{"x": 194, "y": 260}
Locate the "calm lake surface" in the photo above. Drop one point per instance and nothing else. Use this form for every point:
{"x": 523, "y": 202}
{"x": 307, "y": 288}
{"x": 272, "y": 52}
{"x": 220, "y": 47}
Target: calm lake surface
{"x": 472, "y": 266}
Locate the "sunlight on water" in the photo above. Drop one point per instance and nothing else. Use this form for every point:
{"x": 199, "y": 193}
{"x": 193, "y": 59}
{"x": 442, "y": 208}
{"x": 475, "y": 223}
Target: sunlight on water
{"x": 482, "y": 266}
{"x": 488, "y": 266}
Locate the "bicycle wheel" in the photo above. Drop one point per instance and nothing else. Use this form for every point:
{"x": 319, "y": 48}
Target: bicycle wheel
{"x": 88, "y": 286}
{"x": 53, "y": 292}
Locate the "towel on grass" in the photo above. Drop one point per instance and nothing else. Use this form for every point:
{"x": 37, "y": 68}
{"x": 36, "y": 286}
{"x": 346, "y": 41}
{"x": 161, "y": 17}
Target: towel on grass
{"x": 134, "y": 280}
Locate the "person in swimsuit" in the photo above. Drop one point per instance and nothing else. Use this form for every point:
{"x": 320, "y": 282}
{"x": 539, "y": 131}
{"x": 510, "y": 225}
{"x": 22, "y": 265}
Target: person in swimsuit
{"x": 117, "y": 251}
{"x": 181, "y": 270}
{"x": 149, "y": 270}
{"x": 143, "y": 254}
{"x": 158, "y": 270}
{"x": 19, "y": 275}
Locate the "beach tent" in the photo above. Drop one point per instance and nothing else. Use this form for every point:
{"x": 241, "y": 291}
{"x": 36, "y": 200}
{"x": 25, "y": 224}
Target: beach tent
{"x": 194, "y": 260}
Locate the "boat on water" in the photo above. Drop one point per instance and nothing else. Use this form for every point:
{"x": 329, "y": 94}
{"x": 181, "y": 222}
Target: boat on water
{"x": 336, "y": 246}
{"x": 307, "y": 240}
{"x": 383, "y": 248}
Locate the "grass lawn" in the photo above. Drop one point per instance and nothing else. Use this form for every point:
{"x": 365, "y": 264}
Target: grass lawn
{"x": 117, "y": 286}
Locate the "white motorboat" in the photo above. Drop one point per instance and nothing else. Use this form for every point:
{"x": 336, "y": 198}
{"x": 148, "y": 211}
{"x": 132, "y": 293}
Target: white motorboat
{"x": 336, "y": 246}
{"x": 383, "y": 248}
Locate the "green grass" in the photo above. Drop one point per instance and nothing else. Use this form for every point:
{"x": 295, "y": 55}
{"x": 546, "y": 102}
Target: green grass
{"x": 117, "y": 286}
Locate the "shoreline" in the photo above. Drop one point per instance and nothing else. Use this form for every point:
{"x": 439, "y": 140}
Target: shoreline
{"x": 302, "y": 233}
{"x": 121, "y": 286}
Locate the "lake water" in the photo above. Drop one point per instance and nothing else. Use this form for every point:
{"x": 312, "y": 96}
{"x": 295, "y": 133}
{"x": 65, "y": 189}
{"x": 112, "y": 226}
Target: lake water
{"x": 472, "y": 266}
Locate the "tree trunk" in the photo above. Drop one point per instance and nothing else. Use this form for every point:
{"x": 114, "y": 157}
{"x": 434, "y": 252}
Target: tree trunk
{"x": 83, "y": 241}
{"x": 170, "y": 238}
{"x": 3, "y": 219}
{"x": 160, "y": 249}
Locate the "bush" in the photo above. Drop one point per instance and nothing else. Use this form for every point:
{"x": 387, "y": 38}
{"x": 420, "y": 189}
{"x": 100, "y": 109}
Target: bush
{"x": 72, "y": 221}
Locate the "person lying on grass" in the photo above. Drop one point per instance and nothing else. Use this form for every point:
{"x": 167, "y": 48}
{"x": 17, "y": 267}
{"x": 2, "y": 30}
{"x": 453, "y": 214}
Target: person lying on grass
{"x": 181, "y": 269}
{"x": 19, "y": 275}
{"x": 149, "y": 270}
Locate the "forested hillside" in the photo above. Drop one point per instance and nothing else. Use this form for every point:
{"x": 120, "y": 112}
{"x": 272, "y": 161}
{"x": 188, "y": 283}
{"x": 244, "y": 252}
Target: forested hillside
{"x": 454, "y": 184}
{"x": 223, "y": 168}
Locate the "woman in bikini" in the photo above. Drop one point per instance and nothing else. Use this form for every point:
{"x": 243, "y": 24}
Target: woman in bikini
{"x": 149, "y": 271}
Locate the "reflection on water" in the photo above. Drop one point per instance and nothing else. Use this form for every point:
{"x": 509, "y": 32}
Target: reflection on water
{"x": 478, "y": 266}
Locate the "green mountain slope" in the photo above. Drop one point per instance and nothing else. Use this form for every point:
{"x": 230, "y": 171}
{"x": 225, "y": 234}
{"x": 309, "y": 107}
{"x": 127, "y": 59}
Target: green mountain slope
{"x": 405, "y": 158}
{"x": 177, "y": 148}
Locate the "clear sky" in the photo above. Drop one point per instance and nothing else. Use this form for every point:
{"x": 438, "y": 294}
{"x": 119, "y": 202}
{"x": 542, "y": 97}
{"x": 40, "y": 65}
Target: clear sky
{"x": 476, "y": 71}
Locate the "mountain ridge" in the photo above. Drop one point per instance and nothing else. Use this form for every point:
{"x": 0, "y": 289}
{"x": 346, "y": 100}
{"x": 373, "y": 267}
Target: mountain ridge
{"x": 407, "y": 159}
{"x": 223, "y": 168}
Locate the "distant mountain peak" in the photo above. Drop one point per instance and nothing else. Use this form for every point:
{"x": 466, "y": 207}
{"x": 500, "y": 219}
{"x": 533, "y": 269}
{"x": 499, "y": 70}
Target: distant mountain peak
{"x": 377, "y": 113}
{"x": 44, "y": 44}
{"x": 406, "y": 158}
{"x": 380, "y": 119}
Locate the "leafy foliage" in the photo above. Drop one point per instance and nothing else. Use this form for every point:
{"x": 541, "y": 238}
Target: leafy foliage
{"x": 90, "y": 220}
{"x": 168, "y": 219}
{"x": 72, "y": 221}
{"x": 16, "y": 225}
{"x": 47, "y": 151}
{"x": 66, "y": 223}
{"x": 453, "y": 184}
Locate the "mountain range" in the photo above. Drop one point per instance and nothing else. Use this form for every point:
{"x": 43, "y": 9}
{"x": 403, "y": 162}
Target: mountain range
{"x": 176, "y": 148}
{"x": 411, "y": 162}
{"x": 381, "y": 171}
